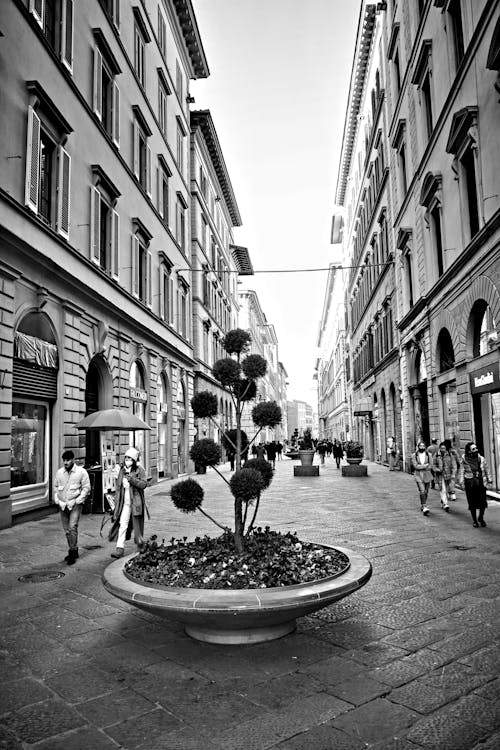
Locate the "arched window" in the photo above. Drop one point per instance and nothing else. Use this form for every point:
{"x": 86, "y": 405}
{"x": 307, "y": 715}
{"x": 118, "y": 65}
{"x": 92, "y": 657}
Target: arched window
{"x": 138, "y": 397}
{"x": 446, "y": 353}
{"x": 482, "y": 327}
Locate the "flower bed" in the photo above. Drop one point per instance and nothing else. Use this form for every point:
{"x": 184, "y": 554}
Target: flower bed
{"x": 270, "y": 559}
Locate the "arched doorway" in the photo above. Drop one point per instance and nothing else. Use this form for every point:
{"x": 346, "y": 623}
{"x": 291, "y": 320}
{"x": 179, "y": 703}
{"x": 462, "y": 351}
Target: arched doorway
{"x": 418, "y": 393}
{"x": 139, "y": 399}
{"x": 376, "y": 420}
{"x": 181, "y": 429}
{"x": 448, "y": 390}
{"x": 98, "y": 395}
{"x": 383, "y": 409}
{"x": 34, "y": 392}
{"x": 162, "y": 414}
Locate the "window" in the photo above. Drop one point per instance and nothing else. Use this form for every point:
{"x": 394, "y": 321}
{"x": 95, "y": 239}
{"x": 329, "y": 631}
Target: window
{"x": 384, "y": 237}
{"x": 179, "y": 82}
{"x": 431, "y": 199}
{"x": 163, "y": 175}
{"x": 163, "y": 92}
{"x": 104, "y": 224}
{"x": 162, "y": 33}
{"x": 181, "y": 136}
{"x": 399, "y": 144}
{"x": 112, "y": 9}
{"x": 182, "y": 309}
{"x": 141, "y": 38}
{"x": 142, "y": 151}
{"x": 404, "y": 243}
{"x": 393, "y": 55}
{"x": 141, "y": 264}
{"x": 106, "y": 94}
{"x": 48, "y": 164}
{"x": 55, "y": 18}
{"x": 463, "y": 143}
{"x": 166, "y": 284}
{"x": 457, "y": 30}
{"x": 422, "y": 79}
{"x": 180, "y": 221}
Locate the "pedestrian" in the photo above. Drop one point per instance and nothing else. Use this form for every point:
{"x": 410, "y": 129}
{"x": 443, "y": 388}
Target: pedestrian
{"x": 321, "y": 449}
{"x": 279, "y": 450}
{"x": 457, "y": 458}
{"x": 392, "y": 451}
{"x": 260, "y": 450}
{"x": 421, "y": 462}
{"x": 130, "y": 504}
{"x": 432, "y": 450}
{"x": 71, "y": 488}
{"x": 474, "y": 475}
{"x": 338, "y": 452}
{"x": 446, "y": 468}
{"x": 271, "y": 453}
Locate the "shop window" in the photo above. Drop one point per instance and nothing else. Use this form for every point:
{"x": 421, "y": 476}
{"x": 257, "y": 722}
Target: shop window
{"x": 142, "y": 151}
{"x": 431, "y": 199}
{"x": 48, "y": 163}
{"x": 162, "y": 424}
{"x": 446, "y": 353}
{"x": 141, "y": 264}
{"x": 55, "y": 18}
{"x": 29, "y": 444}
{"x": 463, "y": 143}
{"x": 106, "y": 94}
{"x": 104, "y": 224}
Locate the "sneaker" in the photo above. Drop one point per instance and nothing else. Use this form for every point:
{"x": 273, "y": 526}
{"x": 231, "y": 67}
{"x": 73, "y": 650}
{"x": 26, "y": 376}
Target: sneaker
{"x": 118, "y": 552}
{"x": 482, "y": 522}
{"x": 446, "y": 507}
{"x": 475, "y": 524}
{"x": 425, "y": 510}
{"x": 71, "y": 557}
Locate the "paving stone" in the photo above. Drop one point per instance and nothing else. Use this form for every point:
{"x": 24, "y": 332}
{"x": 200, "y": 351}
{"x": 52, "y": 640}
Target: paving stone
{"x": 8, "y": 740}
{"x": 324, "y": 737}
{"x": 492, "y": 743}
{"x": 25, "y": 639}
{"x": 48, "y": 662}
{"x": 82, "y": 684}
{"x": 396, "y": 743}
{"x": 419, "y": 636}
{"x": 87, "y": 738}
{"x": 358, "y": 690}
{"x": 42, "y": 720}
{"x": 376, "y": 654}
{"x": 334, "y": 670}
{"x": 182, "y": 739}
{"x": 485, "y": 659}
{"x": 456, "y": 727}
{"x": 60, "y": 624}
{"x": 408, "y": 668}
{"x": 90, "y": 608}
{"x": 114, "y": 707}
{"x": 416, "y": 610}
{"x": 275, "y": 726}
{"x": 277, "y": 692}
{"x": 375, "y": 720}
{"x": 490, "y": 691}
{"x": 93, "y": 641}
{"x": 460, "y": 645}
{"x": 456, "y": 675}
{"x": 142, "y": 731}
{"x": 353, "y": 632}
{"x": 424, "y": 698}
{"x": 131, "y": 656}
{"x": 11, "y": 668}
{"x": 19, "y": 693}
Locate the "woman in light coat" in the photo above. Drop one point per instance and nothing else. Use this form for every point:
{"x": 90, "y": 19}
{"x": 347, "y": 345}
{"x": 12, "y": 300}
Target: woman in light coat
{"x": 130, "y": 504}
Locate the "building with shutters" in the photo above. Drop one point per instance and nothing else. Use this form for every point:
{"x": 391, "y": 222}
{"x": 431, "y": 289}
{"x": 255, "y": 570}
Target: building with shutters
{"x": 95, "y": 244}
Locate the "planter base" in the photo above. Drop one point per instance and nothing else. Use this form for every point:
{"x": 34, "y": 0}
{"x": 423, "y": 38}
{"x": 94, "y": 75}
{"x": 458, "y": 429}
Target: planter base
{"x": 355, "y": 470}
{"x": 306, "y": 471}
{"x": 243, "y": 615}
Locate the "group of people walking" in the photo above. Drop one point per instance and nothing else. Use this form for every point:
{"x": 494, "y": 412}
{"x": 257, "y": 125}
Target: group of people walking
{"x": 441, "y": 467}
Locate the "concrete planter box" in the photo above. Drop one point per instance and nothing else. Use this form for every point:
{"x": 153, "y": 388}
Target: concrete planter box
{"x": 243, "y": 615}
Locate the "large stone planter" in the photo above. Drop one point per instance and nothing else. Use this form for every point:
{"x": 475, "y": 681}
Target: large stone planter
{"x": 306, "y": 457}
{"x": 239, "y": 616}
{"x": 353, "y": 461}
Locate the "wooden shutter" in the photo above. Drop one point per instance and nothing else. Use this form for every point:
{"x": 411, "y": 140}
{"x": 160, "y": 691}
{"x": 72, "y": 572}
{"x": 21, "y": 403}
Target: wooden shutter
{"x": 32, "y": 161}
{"x": 63, "y": 192}
{"x": 115, "y": 244}
{"x": 148, "y": 171}
{"x": 149, "y": 279}
{"x": 95, "y": 225}
{"x": 159, "y": 191}
{"x": 97, "y": 98}
{"x": 116, "y": 114}
{"x": 67, "y": 34}
{"x": 162, "y": 291}
{"x": 116, "y": 13}
{"x": 135, "y": 266}
{"x": 171, "y": 302}
{"x": 37, "y": 8}
{"x": 136, "y": 146}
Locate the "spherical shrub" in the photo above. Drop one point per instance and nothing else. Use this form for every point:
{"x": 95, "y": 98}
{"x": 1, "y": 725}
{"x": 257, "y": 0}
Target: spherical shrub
{"x": 227, "y": 371}
{"x": 254, "y": 366}
{"x": 264, "y": 468}
{"x": 187, "y": 495}
{"x": 205, "y": 452}
{"x": 229, "y": 440}
{"x": 236, "y": 341}
{"x": 204, "y": 404}
{"x": 246, "y": 484}
{"x": 245, "y": 389}
{"x": 266, "y": 414}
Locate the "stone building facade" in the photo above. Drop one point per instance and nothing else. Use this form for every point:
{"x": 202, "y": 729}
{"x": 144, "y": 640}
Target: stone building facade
{"x": 94, "y": 235}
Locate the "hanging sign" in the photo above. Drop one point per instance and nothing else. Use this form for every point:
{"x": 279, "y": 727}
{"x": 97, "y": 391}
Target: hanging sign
{"x": 138, "y": 395}
{"x": 486, "y": 379}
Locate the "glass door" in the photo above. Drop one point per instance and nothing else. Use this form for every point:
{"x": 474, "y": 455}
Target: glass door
{"x": 30, "y": 447}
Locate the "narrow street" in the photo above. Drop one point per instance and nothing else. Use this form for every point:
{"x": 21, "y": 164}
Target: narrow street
{"x": 410, "y": 661}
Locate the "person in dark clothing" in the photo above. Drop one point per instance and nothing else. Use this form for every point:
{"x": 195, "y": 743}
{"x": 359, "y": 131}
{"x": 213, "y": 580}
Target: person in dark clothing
{"x": 338, "y": 452}
{"x": 271, "y": 453}
{"x": 474, "y": 475}
{"x": 279, "y": 450}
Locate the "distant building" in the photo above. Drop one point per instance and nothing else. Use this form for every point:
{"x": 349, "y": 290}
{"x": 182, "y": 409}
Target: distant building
{"x": 300, "y": 416}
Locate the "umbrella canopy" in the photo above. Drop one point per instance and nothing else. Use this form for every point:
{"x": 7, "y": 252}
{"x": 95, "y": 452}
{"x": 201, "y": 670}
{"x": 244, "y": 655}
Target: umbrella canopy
{"x": 112, "y": 419}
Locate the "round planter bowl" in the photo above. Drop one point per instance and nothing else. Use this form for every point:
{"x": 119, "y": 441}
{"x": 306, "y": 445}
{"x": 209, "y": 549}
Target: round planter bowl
{"x": 306, "y": 457}
{"x": 354, "y": 460}
{"x": 242, "y": 615}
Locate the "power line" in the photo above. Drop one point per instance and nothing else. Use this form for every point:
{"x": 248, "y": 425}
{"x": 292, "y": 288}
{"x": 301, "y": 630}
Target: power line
{"x": 292, "y": 270}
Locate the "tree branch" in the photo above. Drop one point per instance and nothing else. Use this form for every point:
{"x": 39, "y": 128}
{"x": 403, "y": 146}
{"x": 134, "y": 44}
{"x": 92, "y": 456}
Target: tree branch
{"x": 224, "y": 528}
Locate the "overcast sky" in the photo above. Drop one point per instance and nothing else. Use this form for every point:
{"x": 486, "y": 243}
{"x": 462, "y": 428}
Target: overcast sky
{"x": 277, "y": 92}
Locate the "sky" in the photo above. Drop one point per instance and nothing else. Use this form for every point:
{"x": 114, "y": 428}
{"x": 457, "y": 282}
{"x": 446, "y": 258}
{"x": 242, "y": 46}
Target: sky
{"x": 277, "y": 93}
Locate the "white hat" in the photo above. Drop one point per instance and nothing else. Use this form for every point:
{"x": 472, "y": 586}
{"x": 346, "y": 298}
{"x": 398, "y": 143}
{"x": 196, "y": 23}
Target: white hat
{"x": 132, "y": 453}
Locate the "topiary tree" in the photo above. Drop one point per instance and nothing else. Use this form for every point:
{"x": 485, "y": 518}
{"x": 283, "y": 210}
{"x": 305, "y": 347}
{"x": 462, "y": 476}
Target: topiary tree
{"x": 238, "y": 373}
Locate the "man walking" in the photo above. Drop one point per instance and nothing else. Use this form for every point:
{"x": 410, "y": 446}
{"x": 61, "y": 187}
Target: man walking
{"x": 432, "y": 450}
{"x": 71, "y": 487}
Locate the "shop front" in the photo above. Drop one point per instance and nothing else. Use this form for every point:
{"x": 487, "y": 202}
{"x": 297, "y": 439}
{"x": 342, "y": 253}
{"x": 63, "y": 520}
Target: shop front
{"x": 485, "y": 391}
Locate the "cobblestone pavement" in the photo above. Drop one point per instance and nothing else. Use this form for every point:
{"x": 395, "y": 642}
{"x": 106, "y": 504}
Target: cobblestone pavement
{"x": 411, "y": 661}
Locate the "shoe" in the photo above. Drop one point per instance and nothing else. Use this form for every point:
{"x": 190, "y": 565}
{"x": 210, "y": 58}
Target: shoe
{"x": 475, "y": 524}
{"x": 118, "y": 552}
{"x": 71, "y": 557}
{"x": 482, "y": 522}
{"x": 446, "y": 507}
{"x": 453, "y": 497}
{"x": 425, "y": 510}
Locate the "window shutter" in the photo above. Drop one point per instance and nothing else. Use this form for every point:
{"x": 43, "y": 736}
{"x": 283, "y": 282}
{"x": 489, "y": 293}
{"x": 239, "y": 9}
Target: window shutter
{"x": 159, "y": 191}
{"x": 67, "y": 34}
{"x": 95, "y": 225}
{"x": 116, "y": 13}
{"x": 97, "y": 83}
{"x": 135, "y": 138}
{"x": 135, "y": 266}
{"x": 32, "y": 161}
{"x": 37, "y": 8}
{"x": 115, "y": 244}
{"x": 162, "y": 292}
{"x": 63, "y": 192}
{"x": 148, "y": 171}
{"x": 149, "y": 279}
{"x": 171, "y": 302}
{"x": 116, "y": 114}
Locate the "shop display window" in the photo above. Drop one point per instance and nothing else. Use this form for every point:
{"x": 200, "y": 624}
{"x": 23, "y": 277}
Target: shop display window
{"x": 29, "y": 443}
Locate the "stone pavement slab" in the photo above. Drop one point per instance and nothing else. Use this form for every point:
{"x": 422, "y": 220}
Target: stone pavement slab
{"x": 409, "y": 662}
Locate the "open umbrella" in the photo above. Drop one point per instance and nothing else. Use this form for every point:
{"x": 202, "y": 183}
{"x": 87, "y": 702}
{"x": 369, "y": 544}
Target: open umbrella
{"x": 112, "y": 419}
